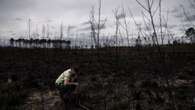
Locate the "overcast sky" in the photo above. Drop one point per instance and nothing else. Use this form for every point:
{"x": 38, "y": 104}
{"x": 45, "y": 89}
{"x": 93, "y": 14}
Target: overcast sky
{"x": 14, "y": 14}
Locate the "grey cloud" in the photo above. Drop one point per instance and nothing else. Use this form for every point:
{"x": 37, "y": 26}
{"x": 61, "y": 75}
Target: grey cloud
{"x": 7, "y": 5}
{"x": 73, "y": 12}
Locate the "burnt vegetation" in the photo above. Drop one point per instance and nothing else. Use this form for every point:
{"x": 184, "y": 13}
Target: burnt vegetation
{"x": 136, "y": 78}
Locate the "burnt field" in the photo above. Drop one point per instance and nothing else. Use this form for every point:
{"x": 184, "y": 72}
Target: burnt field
{"x": 136, "y": 78}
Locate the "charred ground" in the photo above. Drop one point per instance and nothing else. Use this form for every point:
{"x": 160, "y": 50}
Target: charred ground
{"x": 111, "y": 78}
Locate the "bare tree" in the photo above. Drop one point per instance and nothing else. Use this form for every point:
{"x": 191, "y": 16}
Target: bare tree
{"x": 138, "y": 25}
{"x": 48, "y": 31}
{"x": 126, "y": 27}
{"x": 61, "y": 31}
{"x": 92, "y": 26}
{"x": 99, "y": 23}
{"x": 43, "y": 31}
{"x": 160, "y": 18}
{"x": 165, "y": 25}
{"x": 29, "y": 28}
{"x": 119, "y": 15}
{"x": 117, "y": 26}
{"x": 151, "y": 10}
{"x": 96, "y": 25}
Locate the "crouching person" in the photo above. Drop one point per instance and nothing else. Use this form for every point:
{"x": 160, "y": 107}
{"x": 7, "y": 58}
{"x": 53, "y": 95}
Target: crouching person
{"x": 67, "y": 85}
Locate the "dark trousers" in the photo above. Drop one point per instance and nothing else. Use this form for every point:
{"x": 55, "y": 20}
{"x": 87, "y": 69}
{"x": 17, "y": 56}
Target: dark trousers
{"x": 67, "y": 95}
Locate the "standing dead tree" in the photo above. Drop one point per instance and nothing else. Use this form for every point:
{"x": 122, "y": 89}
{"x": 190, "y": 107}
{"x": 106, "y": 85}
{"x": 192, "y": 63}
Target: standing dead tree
{"x": 151, "y": 10}
{"x": 117, "y": 26}
{"x": 167, "y": 75}
{"x": 118, "y": 16}
{"x": 29, "y": 28}
{"x": 126, "y": 28}
{"x": 96, "y": 26}
{"x": 138, "y": 25}
{"x": 99, "y": 23}
{"x": 160, "y": 22}
{"x": 124, "y": 25}
{"x": 92, "y": 26}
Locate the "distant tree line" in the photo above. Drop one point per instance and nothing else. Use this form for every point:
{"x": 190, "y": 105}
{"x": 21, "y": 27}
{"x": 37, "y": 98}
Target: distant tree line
{"x": 39, "y": 43}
